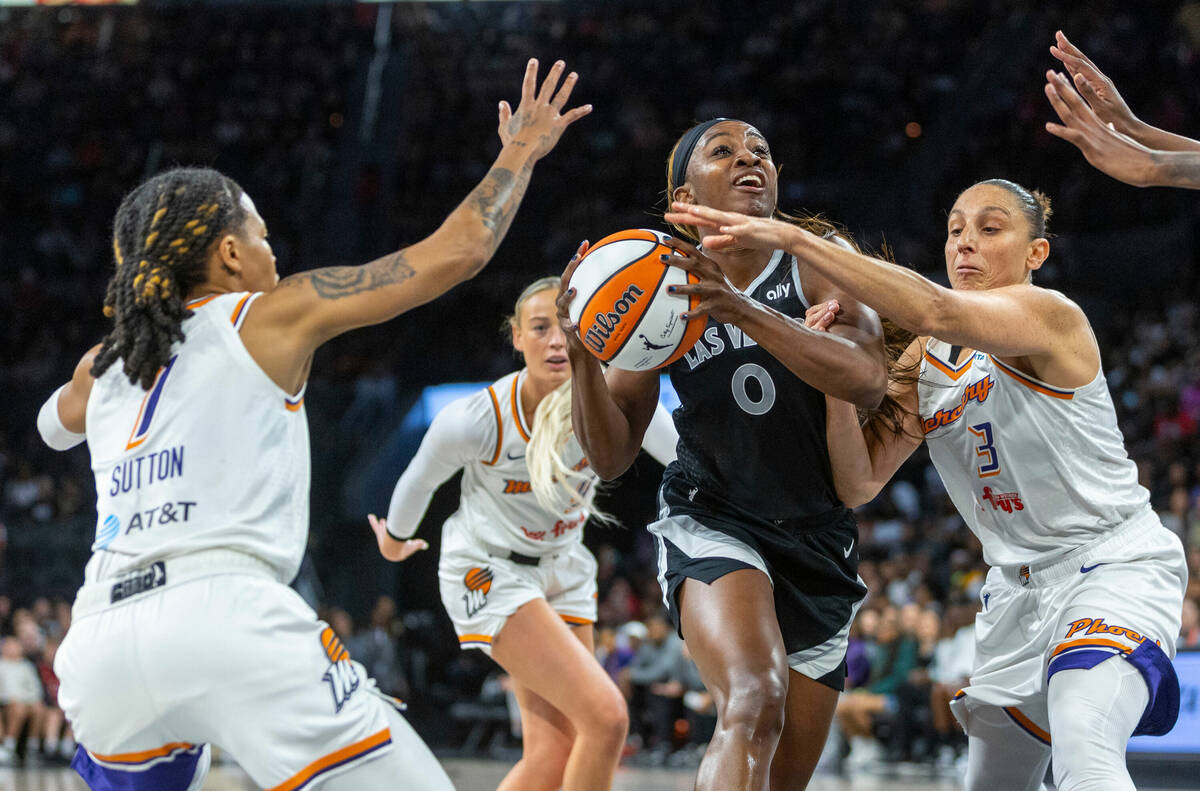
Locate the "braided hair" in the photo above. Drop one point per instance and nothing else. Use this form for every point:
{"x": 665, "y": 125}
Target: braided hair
{"x": 162, "y": 236}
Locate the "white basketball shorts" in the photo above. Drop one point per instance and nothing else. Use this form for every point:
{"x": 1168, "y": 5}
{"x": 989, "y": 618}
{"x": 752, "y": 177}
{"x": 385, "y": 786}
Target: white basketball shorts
{"x": 480, "y": 590}
{"x": 210, "y": 648}
{"x": 1119, "y": 596}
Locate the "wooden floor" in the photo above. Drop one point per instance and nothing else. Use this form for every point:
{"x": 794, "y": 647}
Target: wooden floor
{"x": 473, "y": 775}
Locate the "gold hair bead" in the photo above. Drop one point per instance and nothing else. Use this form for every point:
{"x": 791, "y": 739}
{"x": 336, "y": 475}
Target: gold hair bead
{"x": 158, "y": 215}
{"x": 109, "y": 312}
{"x": 199, "y": 229}
{"x": 150, "y": 239}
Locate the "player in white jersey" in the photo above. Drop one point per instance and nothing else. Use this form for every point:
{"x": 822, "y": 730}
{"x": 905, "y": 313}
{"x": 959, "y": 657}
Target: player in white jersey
{"x": 1014, "y": 406}
{"x": 516, "y": 579}
{"x": 185, "y": 633}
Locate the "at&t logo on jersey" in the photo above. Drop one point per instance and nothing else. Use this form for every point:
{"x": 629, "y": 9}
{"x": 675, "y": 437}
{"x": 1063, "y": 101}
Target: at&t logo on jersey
{"x": 976, "y": 391}
{"x": 479, "y": 583}
{"x": 1006, "y": 502}
{"x": 341, "y": 676}
{"x": 605, "y": 323}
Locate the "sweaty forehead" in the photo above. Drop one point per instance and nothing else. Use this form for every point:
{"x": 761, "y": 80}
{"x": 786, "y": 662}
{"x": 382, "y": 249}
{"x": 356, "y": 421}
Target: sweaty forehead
{"x": 734, "y": 129}
{"x": 983, "y": 199}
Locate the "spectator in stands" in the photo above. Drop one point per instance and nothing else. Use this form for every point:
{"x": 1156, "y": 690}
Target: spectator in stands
{"x": 20, "y": 694}
{"x": 656, "y": 658}
{"x": 893, "y": 657}
{"x": 377, "y": 648}
{"x": 58, "y": 743}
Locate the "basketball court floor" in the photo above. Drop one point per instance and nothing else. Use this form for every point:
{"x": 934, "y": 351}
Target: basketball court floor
{"x": 473, "y": 775}
{"x": 476, "y": 776}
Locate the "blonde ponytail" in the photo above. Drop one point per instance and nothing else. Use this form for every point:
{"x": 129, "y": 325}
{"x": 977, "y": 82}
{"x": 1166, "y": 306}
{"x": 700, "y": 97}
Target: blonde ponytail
{"x": 558, "y": 488}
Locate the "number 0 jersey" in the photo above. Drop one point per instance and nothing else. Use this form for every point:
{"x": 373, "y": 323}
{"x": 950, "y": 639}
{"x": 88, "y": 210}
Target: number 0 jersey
{"x": 1034, "y": 470}
{"x": 750, "y": 431}
{"x": 214, "y": 454}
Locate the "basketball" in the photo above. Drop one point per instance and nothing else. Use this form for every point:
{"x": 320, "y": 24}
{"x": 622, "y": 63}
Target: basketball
{"x": 625, "y": 316}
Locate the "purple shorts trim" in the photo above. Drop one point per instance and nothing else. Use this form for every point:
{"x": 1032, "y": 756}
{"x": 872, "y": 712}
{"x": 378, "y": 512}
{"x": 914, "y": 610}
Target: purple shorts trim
{"x": 1163, "y": 708}
{"x": 175, "y": 773}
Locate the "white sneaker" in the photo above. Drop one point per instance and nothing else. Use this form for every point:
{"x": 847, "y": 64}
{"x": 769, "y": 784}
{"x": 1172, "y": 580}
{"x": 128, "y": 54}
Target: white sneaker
{"x": 7, "y": 757}
{"x": 864, "y": 752}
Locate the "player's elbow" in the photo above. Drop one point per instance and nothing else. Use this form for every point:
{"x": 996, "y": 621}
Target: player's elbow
{"x": 871, "y": 387}
{"x": 854, "y": 494}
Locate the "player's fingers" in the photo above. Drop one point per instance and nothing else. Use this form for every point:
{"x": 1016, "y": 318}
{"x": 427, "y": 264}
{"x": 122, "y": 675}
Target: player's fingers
{"x": 1073, "y": 136}
{"x": 1066, "y": 46}
{"x": 560, "y": 99}
{"x": 719, "y": 241}
{"x": 1055, "y": 95}
{"x": 685, "y": 263}
{"x": 505, "y": 114}
{"x": 551, "y": 82}
{"x": 1066, "y": 91}
{"x": 685, "y": 289}
{"x": 529, "y": 83}
{"x": 683, "y": 246}
{"x": 574, "y": 115}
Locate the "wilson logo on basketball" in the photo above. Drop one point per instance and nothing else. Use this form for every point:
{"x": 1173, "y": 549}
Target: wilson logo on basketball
{"x": 606, "y": 323}
{"x": 517, "y": 487}
{"x": 341, "y": 676}
{"x": 479, "y": 583}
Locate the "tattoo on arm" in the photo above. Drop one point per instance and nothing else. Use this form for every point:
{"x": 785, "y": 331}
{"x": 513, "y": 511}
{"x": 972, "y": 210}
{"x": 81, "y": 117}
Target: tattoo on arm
{"x": 335, "y": 282}
{"x": 1178, "y": 168}
{"x": 497, "y": 199}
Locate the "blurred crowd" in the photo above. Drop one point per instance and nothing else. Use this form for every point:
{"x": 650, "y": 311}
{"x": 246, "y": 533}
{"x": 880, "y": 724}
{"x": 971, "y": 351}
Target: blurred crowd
{"x": 879, "y": 110}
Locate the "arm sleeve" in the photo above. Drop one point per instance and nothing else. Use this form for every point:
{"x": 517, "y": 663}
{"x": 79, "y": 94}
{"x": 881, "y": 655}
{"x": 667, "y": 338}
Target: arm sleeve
{"x": 51, "y": 427}
{"x": 460, "y": 434}
{"x": 661, "y": 436}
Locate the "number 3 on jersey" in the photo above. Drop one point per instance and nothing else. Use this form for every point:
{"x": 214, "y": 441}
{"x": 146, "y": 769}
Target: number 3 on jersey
{"x": 766, "y": 386}
{"x": 986, "y": 450}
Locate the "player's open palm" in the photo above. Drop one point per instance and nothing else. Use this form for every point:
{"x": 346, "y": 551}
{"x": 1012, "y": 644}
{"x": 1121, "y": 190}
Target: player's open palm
{"x": 389, "y": 547}
{"x": 539, "y": 119}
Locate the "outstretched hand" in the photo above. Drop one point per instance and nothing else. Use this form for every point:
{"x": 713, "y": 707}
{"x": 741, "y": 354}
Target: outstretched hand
{"x": 1108, "y": 150}
{"x": 388, "y": 545}
{"x": 722, "y": 230}
{"x": 717, "y": 296}
{"x": 1094, "y": 85}
{"x": 539, "y": 120}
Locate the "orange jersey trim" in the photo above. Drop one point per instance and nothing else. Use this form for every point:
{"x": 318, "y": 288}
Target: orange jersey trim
{"x": 954, "y": 373}
{"x": 516, "y": 410}
{"x": 237, "y": 311}
{"x": 499, "y": 426}
{"x": 195, "y": 303}
{"x": 293, "y": 406}
{"x": 475, "y": 638}
{"x": 1028, "y": 724}
{"x": 1032, "y": 383}
{"x": 334, "y": 759}
{"x": 144, "y": 755}
{"x": 576, "y": 621}
{"x": 1094, "y": 641}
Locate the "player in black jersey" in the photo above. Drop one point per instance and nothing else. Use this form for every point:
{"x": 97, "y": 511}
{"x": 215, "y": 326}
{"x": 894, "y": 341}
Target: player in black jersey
{"x": 757, "y": 556}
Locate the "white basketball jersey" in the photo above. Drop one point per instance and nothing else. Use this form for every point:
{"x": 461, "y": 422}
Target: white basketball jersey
{"x": 215, "y": 454}
{"x": 1034, "y": 470}
{"x": 497, "y": 504}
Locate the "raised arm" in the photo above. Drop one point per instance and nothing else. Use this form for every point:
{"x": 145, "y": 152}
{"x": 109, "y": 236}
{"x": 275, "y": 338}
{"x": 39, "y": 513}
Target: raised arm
{"x": 1117, "y": 154}
{"x": 609, "y": 412}
{"x": 847, "y": 362}
{"x": 309, "y": 308}
{"x": 1012, "y": 321}
{"x": 1108, "y": 104}
{"x": 462, "y": 432}
{"x": 62, "y": 420}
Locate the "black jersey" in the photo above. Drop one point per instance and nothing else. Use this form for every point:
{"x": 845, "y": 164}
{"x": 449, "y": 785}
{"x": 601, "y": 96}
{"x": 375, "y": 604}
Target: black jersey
{"x": 751, "y": 432}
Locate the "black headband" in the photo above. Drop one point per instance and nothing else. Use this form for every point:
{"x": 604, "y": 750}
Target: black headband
{"x": 683, "y": 152}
